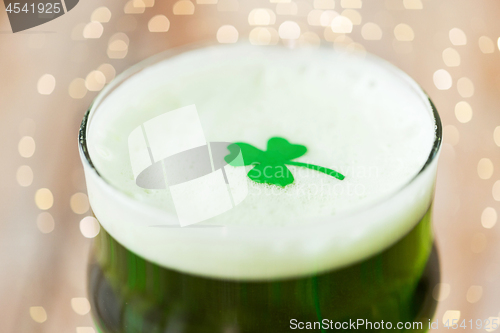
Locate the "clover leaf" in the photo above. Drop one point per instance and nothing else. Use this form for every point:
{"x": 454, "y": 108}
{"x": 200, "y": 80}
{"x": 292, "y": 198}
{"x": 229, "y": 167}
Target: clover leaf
{"x": 270, "y": 166}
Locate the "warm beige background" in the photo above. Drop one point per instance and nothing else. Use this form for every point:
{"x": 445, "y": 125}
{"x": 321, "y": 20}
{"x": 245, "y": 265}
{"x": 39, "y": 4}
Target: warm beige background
{"x": 45, "y": 267}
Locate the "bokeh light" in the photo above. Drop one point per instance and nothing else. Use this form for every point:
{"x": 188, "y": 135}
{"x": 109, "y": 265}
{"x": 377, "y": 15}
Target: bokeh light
{"x": 118, "y": 46}
{"x": 441, "y": 291}
{"x": 492, "y": 320}
{"x": 46, "y": 84}
{"x": 227, "y": 34}
{"x": 38, "y": 314}
{"x": 442, "y": 79}
{"x": 89, "y": 227}
{"x": 77, "y": 88}
{"x": 261, "y": 16}
{"x": 289, "y": 30}
{"x": 496, "y": 135}
{"x": 45, "y": 222}
{"x": 79, "y": 203}
{"x": 489, "y": 217}
{"x": 465, "y": 87}
{"x": 496, "y": 190}
{"x": 93, "y": 30}
{"x": 371, "y": 31}
{"x": 463, "y": 112}
{"x": 101, "y": 14}
{"x": 413, "y": 4}
{"x": 341, "y": 24}
{"x": 486, "y": 45}
{"x": 80, "y": 305}
{"x": 309, "y": 39}
{"x": 264, "y": 36}
{"x": 26, "y": 146}
{"x": 451, "y": 316}
{"x": 183, "y": 7}
{"x": 327, "y": 17}
{"x": 95, "y": 81}
{"x": 457, "y": 37}
{"x": 404, "y": 33}
{"x": 314, "y": 17}
{"x": 134, "y": 7}
{"x": 44, "y": 199}
{"x": 353, "y": 15}
{"x": 485, "y": 168}
{"x": 474, "y": 294}
{"x": 159, "y": 23}
{"x": 108, "y": 70}
{"x": 24, "y": 176}
{"x": 451, "y": 57}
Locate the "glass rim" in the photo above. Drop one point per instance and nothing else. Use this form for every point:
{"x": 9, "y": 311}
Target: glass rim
{"x": 164, "y": 55}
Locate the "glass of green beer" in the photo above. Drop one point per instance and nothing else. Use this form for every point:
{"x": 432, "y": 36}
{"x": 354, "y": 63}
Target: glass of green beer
{"x": 261, "y": 189}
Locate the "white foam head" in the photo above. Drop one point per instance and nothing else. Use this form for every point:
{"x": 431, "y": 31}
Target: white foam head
{"x": 357, "y": 115}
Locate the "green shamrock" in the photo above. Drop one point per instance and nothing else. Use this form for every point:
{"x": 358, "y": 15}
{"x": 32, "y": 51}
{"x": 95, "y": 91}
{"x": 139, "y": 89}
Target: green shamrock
{"x": 270, "y": 166}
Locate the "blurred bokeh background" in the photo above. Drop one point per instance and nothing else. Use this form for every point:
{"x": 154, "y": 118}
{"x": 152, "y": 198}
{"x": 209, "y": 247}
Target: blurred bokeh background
{"x": 50, "y": 74}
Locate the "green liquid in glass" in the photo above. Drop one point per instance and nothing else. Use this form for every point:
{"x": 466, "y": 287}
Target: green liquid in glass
{"x": 131, "y": 294}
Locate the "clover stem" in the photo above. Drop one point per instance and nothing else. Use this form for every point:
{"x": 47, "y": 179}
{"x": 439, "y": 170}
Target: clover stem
{"x": 327, "y": 171}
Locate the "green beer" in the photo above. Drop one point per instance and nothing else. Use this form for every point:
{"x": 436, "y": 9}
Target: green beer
{"x": 246, "y": 189}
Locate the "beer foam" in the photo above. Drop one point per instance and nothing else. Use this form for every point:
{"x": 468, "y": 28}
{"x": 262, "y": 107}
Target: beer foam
{"x": 357, "y": 115}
